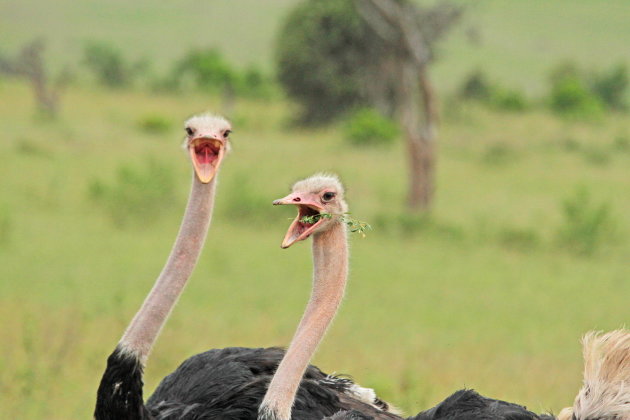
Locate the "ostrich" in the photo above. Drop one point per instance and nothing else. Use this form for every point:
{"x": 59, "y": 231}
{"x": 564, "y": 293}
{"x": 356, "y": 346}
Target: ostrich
{"x": 321, "y": 208}
{"x": 119, "y": 395}
{"x": 606, "y": 391}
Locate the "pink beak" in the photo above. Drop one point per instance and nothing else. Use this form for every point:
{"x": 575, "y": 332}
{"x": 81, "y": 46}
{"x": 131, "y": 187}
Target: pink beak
{"x": 299, "y": 229}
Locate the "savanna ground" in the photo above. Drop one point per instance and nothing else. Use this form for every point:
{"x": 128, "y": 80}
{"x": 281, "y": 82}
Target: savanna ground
{"x": 483, "y": 294}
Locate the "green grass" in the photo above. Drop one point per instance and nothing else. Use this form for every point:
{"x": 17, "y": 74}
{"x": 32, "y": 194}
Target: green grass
{"x": 449, "y": 306}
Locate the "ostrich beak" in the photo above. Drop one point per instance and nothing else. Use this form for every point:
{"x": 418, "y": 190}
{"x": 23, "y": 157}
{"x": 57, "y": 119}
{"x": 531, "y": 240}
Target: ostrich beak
{"x": 206, "y": 153}
{"x": 307, "y": 220}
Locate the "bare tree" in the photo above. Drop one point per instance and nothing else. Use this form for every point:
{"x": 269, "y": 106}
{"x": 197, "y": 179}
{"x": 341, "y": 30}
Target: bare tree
{"x": 409, "y": 34}
{"x": 29, "y": 63}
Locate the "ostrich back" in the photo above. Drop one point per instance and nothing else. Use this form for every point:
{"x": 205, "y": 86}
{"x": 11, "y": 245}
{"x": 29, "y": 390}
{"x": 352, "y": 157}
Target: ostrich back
{"x": 230, "y": 383}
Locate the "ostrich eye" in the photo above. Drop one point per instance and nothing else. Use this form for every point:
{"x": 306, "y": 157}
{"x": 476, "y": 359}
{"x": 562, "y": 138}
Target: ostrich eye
{"x": 227, "y": 133}
{"x": 328, "y": 196}
{"x": 189, "y": 131}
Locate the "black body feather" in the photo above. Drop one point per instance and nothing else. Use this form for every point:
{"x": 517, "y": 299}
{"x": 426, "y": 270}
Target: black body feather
{"x": 230, "y": 383}
{"x": 119, "y": 394}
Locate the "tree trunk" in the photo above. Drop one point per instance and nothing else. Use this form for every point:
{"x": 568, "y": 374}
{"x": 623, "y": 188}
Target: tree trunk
{"x": 422, "y": 166}
{"x": 418, "y": 121}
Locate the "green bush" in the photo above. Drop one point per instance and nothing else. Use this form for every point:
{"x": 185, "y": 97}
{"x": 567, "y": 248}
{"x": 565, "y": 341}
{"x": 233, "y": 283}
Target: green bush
{"x": 580, "y": 94}
{"x": 476, "y": 86}
{"x": 109, "y": 66}
{"x": 571, "y": 97}
{"x": 208, "y": 70}
{"x": 368, "y": 127}
{"x": 508, "y": 99}
{"x": 320, "y": 57}
{"x": 587, "y": 225}
{"x": 137, "y": 196}
{"x": 155, "y": 124}
{"x": 611, "y": 87}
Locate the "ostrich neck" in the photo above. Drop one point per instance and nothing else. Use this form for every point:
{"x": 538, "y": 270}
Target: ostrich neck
{"x": 330, "y": 260}
{"x": 146, "y": 325}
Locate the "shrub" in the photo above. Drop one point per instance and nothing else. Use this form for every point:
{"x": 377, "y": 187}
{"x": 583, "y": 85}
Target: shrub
{"x": 476, "y": 86}
{"x": 508, "y": 100}
{"x": 208, "y": 69}
{"x": 587, "y": 225}
{"x": 571, "y": 97}
{"x": 368, "y": 127}
{"x": 137, "y": 196}
{"x": 320, "y": 58}
{"x": 577, "y": 94}
{"x": 108, "y": 65}
{"x": 611, "y": 87}
{"x": 155, "y": 124}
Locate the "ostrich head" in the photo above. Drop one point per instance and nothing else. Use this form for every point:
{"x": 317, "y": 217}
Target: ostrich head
{"x": 320, "y": 204}
{"x": 207, "y": 142}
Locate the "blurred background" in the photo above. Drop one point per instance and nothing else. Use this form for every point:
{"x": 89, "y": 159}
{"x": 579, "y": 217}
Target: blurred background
{"x": 487, "y": 144}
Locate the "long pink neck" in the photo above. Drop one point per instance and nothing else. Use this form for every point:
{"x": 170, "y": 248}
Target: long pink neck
{"x": 330, "y": 259}
{"x": 146, "y": 325}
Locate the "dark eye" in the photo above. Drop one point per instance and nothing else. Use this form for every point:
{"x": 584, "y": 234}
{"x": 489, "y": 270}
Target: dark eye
{"x": 227, "y": 133}
{"x": 189, "y": 131}
{"x": 328, "y": 196}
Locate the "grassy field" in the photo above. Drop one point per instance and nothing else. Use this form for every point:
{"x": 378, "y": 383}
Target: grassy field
{"x": 463, "y": 301}
{"x": 514, "y": 41}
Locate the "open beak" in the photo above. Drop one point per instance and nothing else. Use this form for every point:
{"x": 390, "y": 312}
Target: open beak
{"x": 206, "y": 153}
{"x": 306, "y": 221}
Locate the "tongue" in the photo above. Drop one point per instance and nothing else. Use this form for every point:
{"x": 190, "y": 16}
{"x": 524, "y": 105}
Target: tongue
{"x": 205, "y": 155}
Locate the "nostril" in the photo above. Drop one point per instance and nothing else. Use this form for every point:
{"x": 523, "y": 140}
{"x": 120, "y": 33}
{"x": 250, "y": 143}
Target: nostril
{"x": 297, "y": 199}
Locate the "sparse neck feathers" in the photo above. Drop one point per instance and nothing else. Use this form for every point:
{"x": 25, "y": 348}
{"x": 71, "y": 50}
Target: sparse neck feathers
{"x": 146, "y": 325}
{"x": 330, "y": 260}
